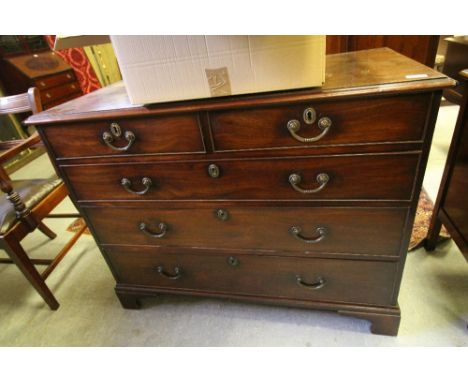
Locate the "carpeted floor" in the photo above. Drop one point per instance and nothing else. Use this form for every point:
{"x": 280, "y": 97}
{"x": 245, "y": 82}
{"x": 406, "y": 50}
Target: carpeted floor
{"x": 433, "y": 298}
{"x": 422, "y": 221}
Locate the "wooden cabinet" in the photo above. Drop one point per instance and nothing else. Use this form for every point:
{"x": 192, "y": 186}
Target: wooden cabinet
{"x": 303, "y": 198}
{"x": 54, "y": 78}
{"x": 451, "y": 207}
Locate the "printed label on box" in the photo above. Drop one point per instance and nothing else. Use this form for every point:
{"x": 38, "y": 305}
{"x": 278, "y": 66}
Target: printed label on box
{"x": 218, "y": 81}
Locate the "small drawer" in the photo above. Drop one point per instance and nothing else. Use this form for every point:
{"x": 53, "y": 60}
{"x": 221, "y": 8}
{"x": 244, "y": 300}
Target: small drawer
{"x": 352, "y": 281}
{"x": 284, "y": 230}
{"x": 344, "y": 177}
{"x": 58, "y": 92}
{"x": 55, "y": 80}
{"x": 161, "y": 135}
{"x": 399, "y": 119}
{"x": 50, "y": 105}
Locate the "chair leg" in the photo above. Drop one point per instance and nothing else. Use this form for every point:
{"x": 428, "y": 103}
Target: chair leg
{"x": 46, "y": 231}
{"x": 21, "y": 259}
{"x": 435, "y": 226}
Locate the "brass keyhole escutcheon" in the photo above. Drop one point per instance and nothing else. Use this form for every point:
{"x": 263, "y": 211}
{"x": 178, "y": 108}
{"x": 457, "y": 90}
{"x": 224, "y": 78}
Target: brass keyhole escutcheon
{"x": 222, "y": 215}
{"x": 233, "y": 261}
{"x": 213, "y": 171}
{"x": 309, "y": 115}
{"x": 115, "y": 130}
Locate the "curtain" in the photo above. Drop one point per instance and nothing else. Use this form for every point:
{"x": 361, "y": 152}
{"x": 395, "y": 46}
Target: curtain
{"x": 77, "y": 59}
{"x": 104, "y": 62}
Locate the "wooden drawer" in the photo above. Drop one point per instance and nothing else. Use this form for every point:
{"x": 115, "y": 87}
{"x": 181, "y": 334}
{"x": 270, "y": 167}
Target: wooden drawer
{"x": 58, "y": 92}
{"x": 54, "y": 80}
{"x": 161, "y": 135}
{"x": 374, "y": 231}
{"x": 350, "y": 177}
{"x": 56, "y": 102}
{"x": 400, "y": 119}
{"x": 358, "y": 281}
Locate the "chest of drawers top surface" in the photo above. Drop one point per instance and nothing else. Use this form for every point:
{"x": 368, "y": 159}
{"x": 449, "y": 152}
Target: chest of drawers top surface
{"x": 375, "y": 71}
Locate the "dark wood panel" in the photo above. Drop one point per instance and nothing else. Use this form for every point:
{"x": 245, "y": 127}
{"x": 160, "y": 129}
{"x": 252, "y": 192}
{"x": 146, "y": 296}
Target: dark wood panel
{"x": 347, "y": 230}
{"x": 164, "y": 135}
{"x": 336, "y": 44}
{"x": 353, "y": 122}
{"x": 422, "y": 48}
{"x": 363, "y": 282}
{"x": 388, "y": 176}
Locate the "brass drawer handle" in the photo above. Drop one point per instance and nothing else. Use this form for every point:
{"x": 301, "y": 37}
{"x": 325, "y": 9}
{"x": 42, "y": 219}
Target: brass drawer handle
{"x": 176, "y": 275}
{"x": 43, "y": 84}
{"x": 116, "y": 132}
{"x": 295, "y": 180}
{"x": 322, "y": 232}
{"x": 161, "y": 234}
{"x": 324, "y": 124}
{"x": 320, "y": 283}
{"x": 127, "y": 184}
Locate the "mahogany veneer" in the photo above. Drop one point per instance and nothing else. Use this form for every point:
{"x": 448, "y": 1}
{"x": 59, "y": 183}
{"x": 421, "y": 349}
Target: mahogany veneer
{"x": 303, "y": 198}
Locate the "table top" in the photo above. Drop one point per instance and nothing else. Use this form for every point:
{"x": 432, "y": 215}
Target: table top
{"x": 361, "y": 73}
{"x": 35, "y": 65}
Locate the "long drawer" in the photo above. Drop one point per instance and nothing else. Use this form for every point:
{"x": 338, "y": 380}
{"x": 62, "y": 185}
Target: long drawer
{"x": 158, "y": 135}
{"x": 347, "y": 177}
{"x": 285, "y": 230}
{"x": 399, "y": 119}
{"x": 358, "y": 281}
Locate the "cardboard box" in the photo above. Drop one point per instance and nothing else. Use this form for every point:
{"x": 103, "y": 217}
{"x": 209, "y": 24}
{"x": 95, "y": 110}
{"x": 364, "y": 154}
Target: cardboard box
{"x": 173, "y": 68}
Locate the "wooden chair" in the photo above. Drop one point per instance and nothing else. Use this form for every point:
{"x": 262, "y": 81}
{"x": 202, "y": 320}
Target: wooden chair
{"x": 28, "y": 202}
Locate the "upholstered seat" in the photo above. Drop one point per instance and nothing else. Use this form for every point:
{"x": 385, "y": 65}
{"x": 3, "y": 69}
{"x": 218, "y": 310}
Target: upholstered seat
{"x": 31, "y": 191}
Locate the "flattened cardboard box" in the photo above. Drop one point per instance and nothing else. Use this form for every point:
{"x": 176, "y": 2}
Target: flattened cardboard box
{"x": 174, "y": 68}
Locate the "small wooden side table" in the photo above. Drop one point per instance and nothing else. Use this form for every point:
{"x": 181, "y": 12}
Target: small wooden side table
{"x": 451, "y": 207}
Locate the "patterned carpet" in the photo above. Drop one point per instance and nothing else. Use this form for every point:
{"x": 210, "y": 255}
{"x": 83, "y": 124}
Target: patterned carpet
{"x": 420, "y": 228}
{"x": 422, "y": 221}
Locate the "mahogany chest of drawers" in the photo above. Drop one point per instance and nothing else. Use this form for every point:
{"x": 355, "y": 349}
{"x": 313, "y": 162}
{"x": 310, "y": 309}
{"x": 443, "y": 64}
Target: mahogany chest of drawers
{"x": 303, "y": 198}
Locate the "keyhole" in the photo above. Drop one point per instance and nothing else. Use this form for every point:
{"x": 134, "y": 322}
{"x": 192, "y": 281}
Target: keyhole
{"x": 309, "y": 115}
{"x": 222, "y": 215}
{"x": 233, "y": 261}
